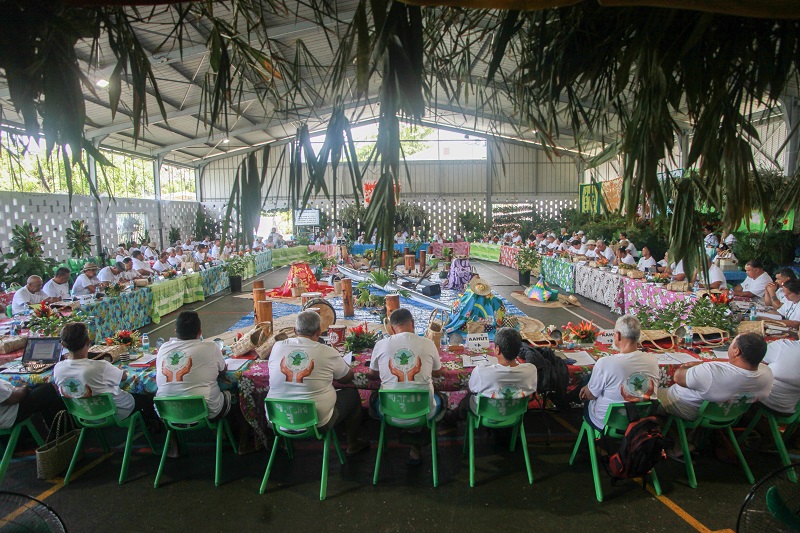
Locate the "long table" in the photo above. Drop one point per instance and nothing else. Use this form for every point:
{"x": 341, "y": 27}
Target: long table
{"x": 602, "y": 286}
{"x": 485, "y": 252}
{"x": 558, "y": 272}
{"x": 129, "y": 310}
{"x": 639, "y": 294}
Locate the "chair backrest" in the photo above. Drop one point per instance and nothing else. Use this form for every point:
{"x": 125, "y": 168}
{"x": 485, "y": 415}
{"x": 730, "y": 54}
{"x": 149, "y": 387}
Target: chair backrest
{"x": 407, "y": 405}
{"x": 617, "y": 421}
{"x": 500, "y": 412}
{"x": 720, "y": 415}
{"x": 180, "y": 411}
{"x": 288, "y": 417}
{"x": 93, "y": 411}
{"x": 791, "y": 419}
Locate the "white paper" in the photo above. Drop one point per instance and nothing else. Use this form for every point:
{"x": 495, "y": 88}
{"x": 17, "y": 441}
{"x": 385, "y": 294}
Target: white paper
{"x": 720, "y": 354}
{"x": 145, "y": 361}
{"x": 470, "y": 361}
{"x": 680, "y": 358}
{"x": 606, "y": 336}
{"x": 581, "y": 358}
{"x": 772, "y": 316}
{"x": 348, "y": 358}
{"x": 477, "y": 341}
{"x": 235, "y": 364}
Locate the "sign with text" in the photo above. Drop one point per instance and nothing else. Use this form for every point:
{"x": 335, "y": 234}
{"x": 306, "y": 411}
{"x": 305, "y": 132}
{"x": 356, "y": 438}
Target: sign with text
{"x": 476, "y": 341}
{"x": 306, "y": 217}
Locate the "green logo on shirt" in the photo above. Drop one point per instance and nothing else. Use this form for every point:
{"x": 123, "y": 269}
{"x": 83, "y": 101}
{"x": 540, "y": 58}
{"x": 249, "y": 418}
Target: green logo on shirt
{"x": 637, "y": 388}
{"x": 74, "y": 388}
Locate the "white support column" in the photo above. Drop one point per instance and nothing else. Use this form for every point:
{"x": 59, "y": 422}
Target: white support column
{"x": 491, "y": 146}
{"x": 157, "y": 186}
{"x": 791, "y": 115}
{"x": 92, "y": 167}
{"x": 683, "y": 143}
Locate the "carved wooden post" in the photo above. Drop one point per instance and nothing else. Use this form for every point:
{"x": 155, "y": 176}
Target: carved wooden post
{"x": 347, "y": 297}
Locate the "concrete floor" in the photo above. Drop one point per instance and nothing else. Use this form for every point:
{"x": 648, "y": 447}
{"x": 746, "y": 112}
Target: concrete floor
{"x": 561, "y": 498}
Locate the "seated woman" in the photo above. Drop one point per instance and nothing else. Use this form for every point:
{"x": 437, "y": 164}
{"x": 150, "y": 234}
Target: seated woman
{"x": 624, "y": 258}
{"x": 790, "y": 311}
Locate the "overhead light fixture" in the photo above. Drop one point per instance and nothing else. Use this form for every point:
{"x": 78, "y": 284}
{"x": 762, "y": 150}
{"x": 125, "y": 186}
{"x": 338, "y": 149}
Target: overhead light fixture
{"x": 225, "y": 140}
{"x": 101, "y": 83}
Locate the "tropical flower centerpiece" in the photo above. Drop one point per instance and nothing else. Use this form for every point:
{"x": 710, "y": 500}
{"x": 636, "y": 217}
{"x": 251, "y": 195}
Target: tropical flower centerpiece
{"x": 125, "y": 337}
{"x": 169, "y": 274}
{"x": 359, "y": 339}
{"x": 46, "y": 321}
{"x": 601, "y": 261}
{"x": 660, "y": 278}
{"x": 626, "y": 266}
{"x": 114, "y": 290}
{"x": 719, "y": 298}
{"x": 583, "y": 333}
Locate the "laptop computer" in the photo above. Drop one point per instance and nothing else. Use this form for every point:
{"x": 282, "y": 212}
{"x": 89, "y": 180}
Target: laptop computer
{"x": 41, "y": 354}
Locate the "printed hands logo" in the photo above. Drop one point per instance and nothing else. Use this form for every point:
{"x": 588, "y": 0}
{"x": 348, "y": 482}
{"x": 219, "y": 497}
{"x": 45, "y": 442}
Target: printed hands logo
{"x": 297, "y": 366}
{"x": 637, "y": 388}
{"x": 509, "y": 392}
{"x": 405, "y": 365}
{"x": 72, "y": 388}
{"x": 175, "y": 366}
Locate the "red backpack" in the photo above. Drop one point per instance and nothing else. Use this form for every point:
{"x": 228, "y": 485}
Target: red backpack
{"x": 641, "y": 449}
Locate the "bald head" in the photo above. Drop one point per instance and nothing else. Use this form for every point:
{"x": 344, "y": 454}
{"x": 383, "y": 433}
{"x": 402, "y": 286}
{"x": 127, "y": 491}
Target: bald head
{"x": 34, "y": 284}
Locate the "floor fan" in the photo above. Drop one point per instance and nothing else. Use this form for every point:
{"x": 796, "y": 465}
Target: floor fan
{"x": 23, "y": 514}
{"x": 773, "y": 504}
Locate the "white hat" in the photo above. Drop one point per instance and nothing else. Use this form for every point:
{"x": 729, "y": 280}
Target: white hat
{"x": 170, "y": 250}
{"x": 551, "y": 235}
{"x": 590, "y": 242}
{"x": 580, "y": 232}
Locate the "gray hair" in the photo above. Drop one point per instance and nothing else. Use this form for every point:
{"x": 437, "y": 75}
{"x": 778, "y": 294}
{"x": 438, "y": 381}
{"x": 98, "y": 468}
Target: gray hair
{"x": 629, "y": 327}
{"x": 307, "y": 323}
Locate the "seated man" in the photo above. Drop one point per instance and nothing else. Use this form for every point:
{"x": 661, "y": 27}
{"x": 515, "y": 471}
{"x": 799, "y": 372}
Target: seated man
{"x": 676, "y": 270}
{"x": 629, "y": 376}
{"x": 741, "y": 378}
{"x": 774, "y": 294}
{"x": 647, "y": 261}
{"x": 604, "y": 251}
{"x": 30, "y": 294}
{"x": 716, "y": 277}
{"x": 128, "y": 273}
{"x": 755, "y": 284}
{"x": 506, "y": 379}
{"x": 111, "y": 274}
{"x": 173, "y": 259}
{"x": 591, "y": 251}
{"x": 790, "y": 311}
{"x": 140, "y": 266}
{"x": 783, "y": 358}
{"x": 407, "y": 361}
{"x": 150, "y": 251}
{"x": 87, "y": 283}
{"x": 625, "y": 258}
{"x": 201, "y": 255}
{"x": 121, "y": 254}
{"x": 577, "y": 248}
{"x": 303, "y": 369}
{"x": 216, "y": 250}
{"x": 18, "y": 403}
{"x": 58, "y": 287}
{"x": 161, "y": 265}
{"x": 627, "y": 244}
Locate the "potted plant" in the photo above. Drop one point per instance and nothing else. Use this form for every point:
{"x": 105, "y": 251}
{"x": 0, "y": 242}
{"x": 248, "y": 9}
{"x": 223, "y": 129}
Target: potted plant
{"x": 527, "y": 259}
{"x": 79, "y": 239}
{"x": 234, "y": 266}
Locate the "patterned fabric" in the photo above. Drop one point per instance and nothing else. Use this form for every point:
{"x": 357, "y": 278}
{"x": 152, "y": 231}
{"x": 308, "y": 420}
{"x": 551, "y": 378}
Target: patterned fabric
{"x": 6, "y": 298}
{"x": 284, "y": 256}
{"x": 600, "y": 286}
{"x": 508, "y": 256}
{"x": 472, "y": 307}
{"x": 167, "y": 296}
{"x": 214, "y": 280}
{"x": 328, "y": 249}
{"x": 460, "y": 274}
{"x": 263, "y": 261}
{"x": 485, "y": 251}
{"x": 249, "y": 267}
{"x": 192, "y": 288}
{"x": 459, "y": 248}
{"x": 303, "y": 272}
{"x": 129, "y": 310}
{"x": 558, "y": 272}
{"x": 637, "y": 293}
{"x": 540, "y": 293}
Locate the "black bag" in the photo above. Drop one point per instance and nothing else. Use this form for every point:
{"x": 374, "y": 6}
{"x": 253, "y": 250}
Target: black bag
{"x": 552, "y": 373}
{"x": 641, "y": 449}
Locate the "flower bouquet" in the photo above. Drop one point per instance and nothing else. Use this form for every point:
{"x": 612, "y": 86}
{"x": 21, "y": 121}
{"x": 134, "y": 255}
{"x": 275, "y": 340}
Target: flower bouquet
{"x": 125, "y": 337}
{"x": 114, "y": 290}
{"x": 169, "y": 274}
{"x": 661, "y": 279}
{"x": 359, "y": 339}
{"x": 601, "y": 261}
{"x": 46, "y": 321}
{"x": 719, "y": 298}
{"x": 583, "y": 333}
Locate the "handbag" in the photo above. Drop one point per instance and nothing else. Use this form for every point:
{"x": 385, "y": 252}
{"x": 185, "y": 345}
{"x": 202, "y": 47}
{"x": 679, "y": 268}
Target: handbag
{"x": 710, "y": 336}
{"x": 678, "y": 286}
{"x": 650, "y": 338}
{"x": 539, "y": 339}
{"x": 54, "y": 456}
{"x": 252, "y": 339}
{"x": 435, "y": 327}
{"x": 12, "y": 343}
{"x": 760, "y": 327}
{"x": 265, "y": 349}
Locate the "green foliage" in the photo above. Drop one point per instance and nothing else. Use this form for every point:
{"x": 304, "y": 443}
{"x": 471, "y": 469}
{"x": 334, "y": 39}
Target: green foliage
{"x": 471, "y": 221}
{"x": 773, "y": 247}
{"x": 204, "y": 225}
{"x": 528, "y": 259}
{"x": 79, "y": 238}
{"x": 321, "y": 259}
{"x": 245, "y": 202}
{"x": 409, "y": 216}
{"x": 173, "y": 235}
{"x": 28, "y": 247}
{"x": 412, "y": 139}
{"x": 703, "y": 312}
{"x": 234, "y": 266}
{"x": 26, "y": 239}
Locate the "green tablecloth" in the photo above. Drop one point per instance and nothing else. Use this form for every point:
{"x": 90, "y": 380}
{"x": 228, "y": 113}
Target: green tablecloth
{"x": 129, "y": 310}
{"x": 284, "y": 256}
{"x": 263, "y": 261}
{"x": 167, "y": 297}
{"x": 193, "y": 288}
{"x": 214, "y": 280}
{"x": 487, "y": 252}
{"x": 558, "y": 272}
{"x": 249, "y": 268}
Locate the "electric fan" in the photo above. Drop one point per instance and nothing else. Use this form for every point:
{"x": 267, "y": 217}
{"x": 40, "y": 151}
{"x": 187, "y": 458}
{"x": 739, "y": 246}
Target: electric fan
{"x": 23, "y": 514}
{"x": 773, "y": 504}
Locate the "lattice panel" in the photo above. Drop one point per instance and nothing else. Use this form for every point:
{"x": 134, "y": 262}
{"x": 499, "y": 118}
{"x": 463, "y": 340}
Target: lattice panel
{"x": 180, "y": 215}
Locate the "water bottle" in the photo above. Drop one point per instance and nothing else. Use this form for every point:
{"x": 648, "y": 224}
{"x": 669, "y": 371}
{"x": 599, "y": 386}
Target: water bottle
{"x": 696, "y": 287}
{"x": 688, "y": 336}
{"x": 132, "y": 286}
{"x": 159, "y": 343}
{"x": 3, "y": 287}
{"x": 753, "y": 311}
{"x": 145, "y": 342}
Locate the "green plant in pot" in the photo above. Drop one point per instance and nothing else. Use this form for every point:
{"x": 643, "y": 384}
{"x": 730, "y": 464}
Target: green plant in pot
{"x": 528, "y": 259}
{"x": 79, "y": 239}
{"x": 234, "y": 267}
{"x": 28, "y": 247}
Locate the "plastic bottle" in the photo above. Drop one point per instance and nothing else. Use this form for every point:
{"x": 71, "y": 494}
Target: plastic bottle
{"x": 753, "y": 311}
{"x": 696, "y": 287}
{"x": 688, "y": 336}
{"x": 145, "y": 342}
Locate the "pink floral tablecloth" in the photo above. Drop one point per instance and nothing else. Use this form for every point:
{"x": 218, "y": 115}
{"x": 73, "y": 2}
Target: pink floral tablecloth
{"x": 508, "y": 256}
{"x": 327, "y": 249}
{"x": 636, "y": 293}
{"x": 6, "y": 298}
{"x": 459, "y": 248}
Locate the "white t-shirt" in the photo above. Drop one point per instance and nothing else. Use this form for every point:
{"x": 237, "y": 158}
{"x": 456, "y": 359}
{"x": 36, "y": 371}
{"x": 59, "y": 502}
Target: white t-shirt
{"x": 8, "y": 413}
{"x": 190, "y": 368}
{"x": 149, "y": 253}
{"x": 199, "y": 257}
{"x": 711, "y": 240}
{"x": 757, "y": 286}
{"x": 106, "y": 276}
{"x": 632, "y": 249}
{"x": 717, "y": 381}
{"x": 590, "y": 253}
{"x": 629, "y": 260}
{"x": 405, "y": 361}
{"x": 498, "y": 381}
{"x": 56, "y": 290}
{"x": 23, "y": 297}
{"x": 716, "y": 274}
{"x": 302, "y": 369}
{"x": 608, "y": 253}
{"x": 159, "y": 267}
{"x": 128, "y": 275}
{"x": 790, "y": 311}
{"x": 783, "y": 358}
{"x": 215, "y": 251}
{"x": 730, "y": 240}
{"x": 580, "y": 250}
{"x": 174, "y": 262}
{"x": 83, "y": 378}
{"x": 141, "y": 265}
{"x": 120, "y": 258}
{"x": 677, "y": 269}
{"x": 635, "y": 374}
{"x": 82, "y": 284}
{"x": 780, "y": 294}
{"x": 646, "y": 263}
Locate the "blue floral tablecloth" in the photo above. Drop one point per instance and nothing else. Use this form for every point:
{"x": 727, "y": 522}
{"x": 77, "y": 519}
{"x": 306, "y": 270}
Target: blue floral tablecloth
{"x": 129, "y": 310}
{"x": 214, "y": 280}
{"x": 558, "y": 272}
{"x": 263, "y": 261}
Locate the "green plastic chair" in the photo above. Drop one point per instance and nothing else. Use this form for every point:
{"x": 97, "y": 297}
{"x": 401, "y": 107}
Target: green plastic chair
{"x": 100, "y": 412}
{"x": 774, "y": 421}
{"x": 614, "y": 426}
{"x": 190, "y": 413}
{"x": 711, "y": 416}
{"x": 297, "y": 419}
{"x": 75, "y": 265}
{"x": 413, "y": 407}
{"x": 498, "y": 413}
{"x": 13, "y": 436}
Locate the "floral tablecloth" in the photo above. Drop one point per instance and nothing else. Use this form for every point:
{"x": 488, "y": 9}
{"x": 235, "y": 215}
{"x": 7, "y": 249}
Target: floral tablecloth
{"x": 214, "y": 280}
{"x": 167, "y": 296}
{"x": 129, "y": 310}
{"x": 263, "y": 261}
{"x": 556, "y": 271}
{"x": 328, "y": 249}
{"x": 485, "y": 251}
{"x": 637, "y": 293}
{"x": 601, "y": 286}
{"x": 508, "y": 256}
{"x": 459, "y": 248}
{"x": 249, "y": 267}
{"x": 193, "y": 288}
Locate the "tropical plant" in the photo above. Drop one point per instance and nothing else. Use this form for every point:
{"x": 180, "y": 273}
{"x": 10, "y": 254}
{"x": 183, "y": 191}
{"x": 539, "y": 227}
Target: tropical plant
{"x": 79, "y": 238}
{"x": 585, "y": 332}
{"x": 471, "y": 221}
{"x": 26, "y": 239}
{"x": 48, "y": 322}
{"x": 359, "y": 339}
{"x": 774, "y": 247}
{"x": 173, "y": 235}
{"x": 28, "y": 247}
{"x": 234, "y": 266}
{"x": 528, "y": 259}
{"x": 408, "y": 216}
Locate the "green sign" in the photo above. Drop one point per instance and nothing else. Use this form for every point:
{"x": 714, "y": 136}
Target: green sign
{"x": 757, "y": 222}
{"x": 590, "y": 197}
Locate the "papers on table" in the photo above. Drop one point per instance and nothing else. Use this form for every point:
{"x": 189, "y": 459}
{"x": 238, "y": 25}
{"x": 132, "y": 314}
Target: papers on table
{"x": 235, "y": 364}
{"x": 145, "y": 361}
{"x": 675, "y": 358}
{"x": 478, "y": 360}
{"x": 719, "y": 354}
{"x": 772, "y": 316}
{"x": 581, "y": 358}
{"x": 348, "y": 358}
{"x": 606, "y": 336}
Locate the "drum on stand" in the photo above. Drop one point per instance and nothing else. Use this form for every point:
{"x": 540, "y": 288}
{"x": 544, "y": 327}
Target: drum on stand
{"x": 327, "y": 314}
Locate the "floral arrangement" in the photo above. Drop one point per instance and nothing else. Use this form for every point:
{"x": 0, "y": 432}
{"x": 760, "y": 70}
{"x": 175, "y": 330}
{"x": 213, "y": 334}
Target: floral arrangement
{"x": 125, "y": 337}
{"x": 719, "y": 298}
{"x": 359, "y": 339}
{"x": 169, "y": 274}
{"x": 660, "y": 278}
{"x": 701, "y": 312}
{"x": 48, "y": 322}
{"x": 234, "y": 266}
{"x": 601, "y": 260}
{"x": 585, "y": 332}
{"x": 114, "y": 290}
{"x": 626, "y": 266}
{"x": 79, "y": 239}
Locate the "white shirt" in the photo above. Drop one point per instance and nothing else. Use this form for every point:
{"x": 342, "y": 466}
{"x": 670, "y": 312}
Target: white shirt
{"x": 106, "y": 276}
{"x": 400, "y": 239}
{"x": 56, "y": 290}
{"x": 780, "y": 294}
{"x": 717, "y": 381}
{"x": 580, "y": 250}
{"x": 632, "y": 249}
{"x": 149, "y": 253}
{"x": 215, "y": 251}
{"x": 645, "y": 263}
{"x": 200, "y": 257}
{"x": 619, "y": 378}
{"x": 498, "y": 381}
{"x": 175, "y": 262}
{"x": 120, "y": 258}
{"x": 730, "y": 240}
{"x": 405, "y": 361}
{"x": 190, "y": 368}
{"x": 23, "y": 297}
{"x": 8, "y": 413}
{"x": 159, "y": 267}
{"x": 629, "y": 260}
{"x": 608, "y": 253}
{"x": 141, "y": 265}
{"x": 711, "y": 240}
{"x": 790, "y": 311}
{"x": 82, "y": 284}
{"x": 783, "y": 358}
{"x": 590, "y": 253}
{"x": 677, "y": 269}
{"x": 128, "y": 275}
{"x": 516, "y": 239}
{"x": 83, "y": 378}
{"x": 716, "y": 274}
{"x": 311, "y": 369}
{"x": 757, "y": 286}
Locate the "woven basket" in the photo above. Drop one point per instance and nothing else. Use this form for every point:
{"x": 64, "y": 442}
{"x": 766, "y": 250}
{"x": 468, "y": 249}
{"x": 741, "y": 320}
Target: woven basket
{"x": 635, "y": 274}
{"x": 760, "y": 327}
{"x": 539, "y": 339}
{"x": 140, "y": 283}
{"x": 476, "y": 327}
{"x": 593, "y": 264}
{"x": 265, "y": 349}
{"x": 579, "y": 258}
{"x": 108, "y": 353}
{"x": 651, "y": 337}
{"x": 252, "y": 339}
{"x": 709, "y": 336}
{"x": 12, "y": 343}
{"x": 436, "y": 324}
{"x": 678, "y": 286}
